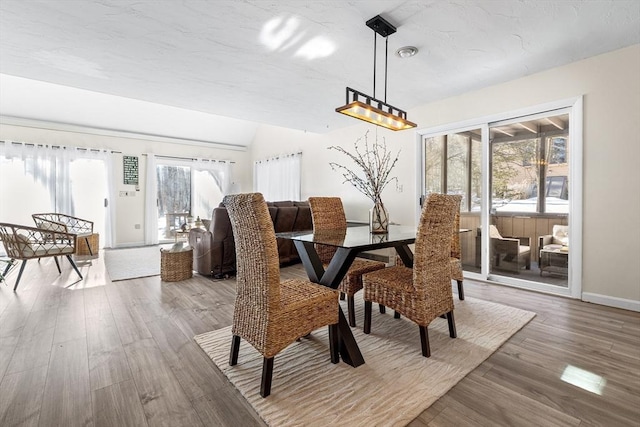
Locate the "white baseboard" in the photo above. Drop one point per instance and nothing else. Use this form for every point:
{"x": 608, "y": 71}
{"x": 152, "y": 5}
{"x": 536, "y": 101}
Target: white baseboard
{"x": 627, "y": 304}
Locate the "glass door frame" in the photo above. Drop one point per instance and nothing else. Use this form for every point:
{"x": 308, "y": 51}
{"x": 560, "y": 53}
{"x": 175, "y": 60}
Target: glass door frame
{"x": 574, "y": 107}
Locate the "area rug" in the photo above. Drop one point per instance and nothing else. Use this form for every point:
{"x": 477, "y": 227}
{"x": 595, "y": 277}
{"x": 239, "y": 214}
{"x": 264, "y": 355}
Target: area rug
{"x": 131, "y": 263}
{"x": 393, "y": 386}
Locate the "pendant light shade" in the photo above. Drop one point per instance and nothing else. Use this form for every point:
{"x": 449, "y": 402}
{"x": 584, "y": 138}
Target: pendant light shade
{"x": 368, "y": 108}
{"x": 373, "y": 111}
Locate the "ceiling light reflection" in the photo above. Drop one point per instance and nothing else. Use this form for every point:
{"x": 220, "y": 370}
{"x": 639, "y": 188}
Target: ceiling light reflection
{"x": 317, "y": 47}
{"x": 584, "y": 379}
{"x": 276, "y": 32}
{"x": 286, "y": 34}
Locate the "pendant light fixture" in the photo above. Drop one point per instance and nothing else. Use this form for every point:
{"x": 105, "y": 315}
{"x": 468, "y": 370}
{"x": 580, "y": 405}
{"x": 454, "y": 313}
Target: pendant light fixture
{"x": 368, "y": 108}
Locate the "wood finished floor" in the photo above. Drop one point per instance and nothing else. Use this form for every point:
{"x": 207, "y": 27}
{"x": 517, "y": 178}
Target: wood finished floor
{"x": 97, "y": 353}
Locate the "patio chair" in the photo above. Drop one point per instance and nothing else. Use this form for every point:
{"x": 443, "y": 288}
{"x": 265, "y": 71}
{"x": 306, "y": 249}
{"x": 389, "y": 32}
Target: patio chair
{"x": 327, "y": 214}
{"x": 424, "y": 292}
{"x": 512, "y": 250}
{"x": 82, "y": 228}
{"x": 268, "y": 313}
{"x": 25, "y": 243}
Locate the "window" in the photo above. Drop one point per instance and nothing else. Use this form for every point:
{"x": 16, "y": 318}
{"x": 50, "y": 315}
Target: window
{"x": 452, "y": 166}
{"x": 529, "y": 166}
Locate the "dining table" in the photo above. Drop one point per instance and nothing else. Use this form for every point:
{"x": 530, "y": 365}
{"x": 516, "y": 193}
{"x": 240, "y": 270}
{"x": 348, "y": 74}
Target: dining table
{"x": 349, "y": 242}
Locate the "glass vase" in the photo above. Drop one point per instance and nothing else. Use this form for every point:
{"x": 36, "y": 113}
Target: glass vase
{"x": 378, "y": 218}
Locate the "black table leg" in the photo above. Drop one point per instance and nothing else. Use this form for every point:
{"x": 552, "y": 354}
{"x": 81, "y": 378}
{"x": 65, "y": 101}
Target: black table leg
{"x": 340, "y": 263}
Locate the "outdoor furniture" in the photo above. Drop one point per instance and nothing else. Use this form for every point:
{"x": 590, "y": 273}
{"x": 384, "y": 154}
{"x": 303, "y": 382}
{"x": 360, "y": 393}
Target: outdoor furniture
{"x": 511, "y": 250}
{"x": 327, "y": 214}
{"x": 9, "y": 263}
{"x": 82, "y": 228}
{"x": 268, "y": 313}
{"x": 422, "y": 293}
{"x": 554, "y": 251}
{"x": 25, "y": 243}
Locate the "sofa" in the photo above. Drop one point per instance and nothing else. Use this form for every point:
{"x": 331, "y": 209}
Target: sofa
{"x": 214, "y": 251}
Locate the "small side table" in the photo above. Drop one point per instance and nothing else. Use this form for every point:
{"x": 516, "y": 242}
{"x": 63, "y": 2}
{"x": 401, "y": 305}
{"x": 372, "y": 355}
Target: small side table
{"x": 176, "y": 263}
{"x": 554, "y": 261}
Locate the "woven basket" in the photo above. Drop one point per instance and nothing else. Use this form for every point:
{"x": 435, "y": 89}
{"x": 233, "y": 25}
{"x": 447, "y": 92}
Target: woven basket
{"x": 176, "y": 266}
{"x": 83, "y": 249}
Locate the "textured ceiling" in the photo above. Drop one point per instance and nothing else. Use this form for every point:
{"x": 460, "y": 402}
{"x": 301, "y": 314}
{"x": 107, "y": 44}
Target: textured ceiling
{"x": 287, "y": 62}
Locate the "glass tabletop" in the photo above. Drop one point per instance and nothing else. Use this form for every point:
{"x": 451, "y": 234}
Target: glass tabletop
{"x": 355, "y": 237}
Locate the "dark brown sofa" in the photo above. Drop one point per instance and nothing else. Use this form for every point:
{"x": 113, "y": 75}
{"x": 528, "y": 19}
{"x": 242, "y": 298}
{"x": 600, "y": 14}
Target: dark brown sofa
{"x": 214, "y": 251}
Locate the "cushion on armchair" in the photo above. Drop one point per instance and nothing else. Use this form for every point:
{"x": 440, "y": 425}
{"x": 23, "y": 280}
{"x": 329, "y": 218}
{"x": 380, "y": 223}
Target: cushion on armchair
{"x": 560, "y": 234}
{"x": 494, "y": 233}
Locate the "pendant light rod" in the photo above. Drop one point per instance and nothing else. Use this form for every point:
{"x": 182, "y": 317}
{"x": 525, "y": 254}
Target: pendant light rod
{"x": 375, "y": 50}
{"x": 386, "y": 61}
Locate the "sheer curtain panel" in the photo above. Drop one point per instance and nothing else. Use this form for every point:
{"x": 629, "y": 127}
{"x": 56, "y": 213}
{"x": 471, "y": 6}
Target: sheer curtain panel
{"x": 151, "y": 203}
{"x": 278, "y": 178}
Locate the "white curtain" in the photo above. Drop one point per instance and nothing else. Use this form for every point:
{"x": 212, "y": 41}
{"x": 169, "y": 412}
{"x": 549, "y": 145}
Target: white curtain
{"x": 278, "y": 178}
{"x": 110, "y": 205}
{"x": 50, "y": 167}
{"x": 151, "y": 203}
{"x": 219, "y": 170}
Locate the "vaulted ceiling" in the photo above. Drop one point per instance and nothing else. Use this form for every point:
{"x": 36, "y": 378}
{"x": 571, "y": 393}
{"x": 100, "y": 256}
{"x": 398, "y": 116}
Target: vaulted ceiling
{"x": 287, "y": 62}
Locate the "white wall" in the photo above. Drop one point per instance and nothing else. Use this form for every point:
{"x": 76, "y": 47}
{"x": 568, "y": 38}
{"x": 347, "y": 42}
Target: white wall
{"x": 611, "y": 199}
{"x": 130, "y": 210}
{"x": 319, "y": 180}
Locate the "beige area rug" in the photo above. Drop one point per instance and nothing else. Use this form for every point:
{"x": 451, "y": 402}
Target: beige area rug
{"x": 131, "y": 263}
{"x": 394, "y": 385}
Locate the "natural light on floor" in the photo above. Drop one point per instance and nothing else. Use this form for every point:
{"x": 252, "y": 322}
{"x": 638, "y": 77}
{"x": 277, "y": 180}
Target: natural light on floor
{"x": 584, "y": 379}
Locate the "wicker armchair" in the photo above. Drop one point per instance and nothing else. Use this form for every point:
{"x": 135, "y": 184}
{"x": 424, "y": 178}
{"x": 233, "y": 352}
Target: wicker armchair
{"x": 509, "y": 253}
{"x": 82, "y": 228}
{"x": 424, "y": 292}
{"x": 25, "y": 243}
{"x": 327, "y": 214}
{"x": 268, "y": 313}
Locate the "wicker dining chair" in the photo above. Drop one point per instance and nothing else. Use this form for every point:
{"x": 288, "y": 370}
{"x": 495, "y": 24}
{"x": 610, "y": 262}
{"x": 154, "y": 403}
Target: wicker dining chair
{"x": 455, "y": 259}
{"x": 327, "y": 214}
{"x": 25, "y": 243}
{"x": 421, "y": 293}
{"x": 268, "y": 313}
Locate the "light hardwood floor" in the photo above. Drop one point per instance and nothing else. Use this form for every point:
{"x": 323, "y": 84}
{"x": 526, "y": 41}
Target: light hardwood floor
{"x": 97, "y": 353}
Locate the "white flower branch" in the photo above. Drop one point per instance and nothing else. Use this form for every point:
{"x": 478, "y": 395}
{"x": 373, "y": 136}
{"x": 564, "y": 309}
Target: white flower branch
{"x": 374, "y": 161}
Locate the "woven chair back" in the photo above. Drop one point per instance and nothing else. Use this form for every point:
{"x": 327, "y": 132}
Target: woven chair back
{"x": 63, "y": 222}
{"x": 24, "y": 242}
{"x": 327, "y": 215}
{"x": 455, "y": 237}
{"x": 431, "y": 267}
{"x": 258, "y": 271}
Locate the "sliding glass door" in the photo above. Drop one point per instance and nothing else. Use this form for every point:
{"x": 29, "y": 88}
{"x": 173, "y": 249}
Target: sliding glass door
{"x": 184, "y": 194}
{"x": 530, "y": 207}
{"x": 519, "y": 178}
